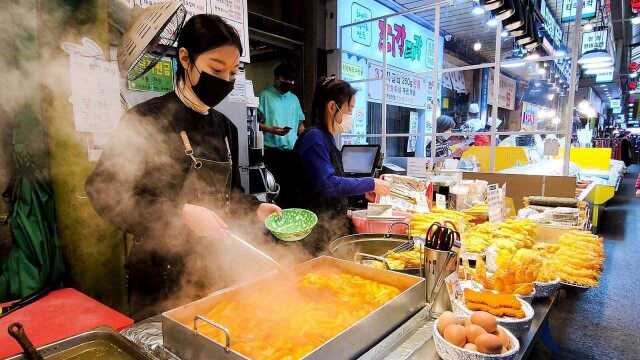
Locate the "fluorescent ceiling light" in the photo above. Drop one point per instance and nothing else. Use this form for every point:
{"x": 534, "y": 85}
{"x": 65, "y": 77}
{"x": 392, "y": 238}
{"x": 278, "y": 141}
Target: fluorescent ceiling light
{"x": 513, "y": 64}
{"x": 504, "y": 33}
{"x": 477, "y": 46}
{"x": 492, "y": 22}
{"x": 477, "y": 10}
{"x": 599, "y": 65}
{"x": 596, "y": 56}
{"x": 598, "y": 71}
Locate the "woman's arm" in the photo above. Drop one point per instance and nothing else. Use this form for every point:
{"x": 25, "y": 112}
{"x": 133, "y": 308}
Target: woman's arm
{"x": 321, "y": 172}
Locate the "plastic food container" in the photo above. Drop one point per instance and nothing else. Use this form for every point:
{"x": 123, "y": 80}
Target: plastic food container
{"x": 518, "y": 327}
{"x": 367, "y": 225}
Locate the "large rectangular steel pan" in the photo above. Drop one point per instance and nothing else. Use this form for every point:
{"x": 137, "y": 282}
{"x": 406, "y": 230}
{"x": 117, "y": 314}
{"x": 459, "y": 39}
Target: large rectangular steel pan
{"x": 98, "y": 343}
{"x": 180, "y": 337}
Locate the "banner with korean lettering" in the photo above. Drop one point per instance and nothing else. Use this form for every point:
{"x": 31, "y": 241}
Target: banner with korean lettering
{"x": 403, "y": 88}
{"x": 594, "y": 40}
{"x": 569, "y": 9}
{"x": 409, "y": 45}
{"x": 354, "y": 68}
{"x": 507, "y": 95}
{"x": 552, "y": 28}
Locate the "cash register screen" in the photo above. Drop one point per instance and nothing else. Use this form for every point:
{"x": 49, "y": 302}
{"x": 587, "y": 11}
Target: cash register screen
{"x": 359, "y": 160}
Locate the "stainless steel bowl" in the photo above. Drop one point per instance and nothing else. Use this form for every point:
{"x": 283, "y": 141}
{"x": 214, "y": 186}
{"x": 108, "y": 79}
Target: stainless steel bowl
{"x": 346, "y": 247}
{"x": 349, "y": 247}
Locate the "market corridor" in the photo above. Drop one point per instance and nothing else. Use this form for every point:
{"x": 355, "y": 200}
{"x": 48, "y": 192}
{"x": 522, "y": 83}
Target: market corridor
{"x": 602, "y": 323}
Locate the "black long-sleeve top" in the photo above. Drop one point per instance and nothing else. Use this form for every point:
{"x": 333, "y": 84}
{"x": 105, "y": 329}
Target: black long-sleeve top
{"x": 138, "y": 182}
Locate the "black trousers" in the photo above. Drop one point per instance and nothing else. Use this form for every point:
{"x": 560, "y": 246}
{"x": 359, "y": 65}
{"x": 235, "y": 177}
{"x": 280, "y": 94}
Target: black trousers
{"x": 281, "y": 164}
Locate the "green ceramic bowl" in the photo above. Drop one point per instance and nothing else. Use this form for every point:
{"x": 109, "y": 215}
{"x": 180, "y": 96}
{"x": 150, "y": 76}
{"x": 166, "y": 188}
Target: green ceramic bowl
{"x": 292, "y": 224}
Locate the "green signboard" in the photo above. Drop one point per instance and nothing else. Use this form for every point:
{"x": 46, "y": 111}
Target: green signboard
{"x": 158, "y": 79}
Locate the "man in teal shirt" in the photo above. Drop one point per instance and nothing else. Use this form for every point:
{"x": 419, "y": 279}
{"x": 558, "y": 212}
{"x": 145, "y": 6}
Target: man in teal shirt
{"x": 281, "y": 120}
{"x": 280, "y": 110}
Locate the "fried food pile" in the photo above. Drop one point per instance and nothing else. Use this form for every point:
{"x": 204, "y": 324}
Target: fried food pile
{"x": 456, "y": 220}
{"x": 508, "y": 236}
{"x": 515, "y": 275}
{"x": 496, "y": 304}
{"x": 289, "y": 319}
{"x": 403, "y": 260}
{"x": 578, "y": 259}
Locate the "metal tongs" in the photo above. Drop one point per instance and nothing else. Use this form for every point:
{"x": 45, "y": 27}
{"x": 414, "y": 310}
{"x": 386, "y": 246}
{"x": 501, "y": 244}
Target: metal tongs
{"x": 400, "y": 192}
{"x": 254, "y": 249}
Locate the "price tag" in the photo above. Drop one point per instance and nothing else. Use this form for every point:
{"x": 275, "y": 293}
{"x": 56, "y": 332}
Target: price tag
{"x": 441, "y": 201}
{"x": 452, "y": 282}
{"x": 417, "y": 167}
{"x": 495, "y": 200}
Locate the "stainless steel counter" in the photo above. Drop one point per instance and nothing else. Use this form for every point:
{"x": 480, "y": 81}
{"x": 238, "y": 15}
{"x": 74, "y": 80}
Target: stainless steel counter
{"x": 411, "y": 341}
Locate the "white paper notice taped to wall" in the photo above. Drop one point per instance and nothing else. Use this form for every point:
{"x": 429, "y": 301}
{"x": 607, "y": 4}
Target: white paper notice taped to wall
{"x": 95, "y": 91}
{"x": 95, "y": 94}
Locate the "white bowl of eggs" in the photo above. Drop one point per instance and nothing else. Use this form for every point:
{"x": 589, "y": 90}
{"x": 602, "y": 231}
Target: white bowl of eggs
{"x": 478, "y": 337}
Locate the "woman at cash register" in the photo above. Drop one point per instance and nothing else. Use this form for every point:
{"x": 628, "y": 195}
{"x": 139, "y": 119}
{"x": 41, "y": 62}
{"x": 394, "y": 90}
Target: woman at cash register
{"x": 325, "y": 189}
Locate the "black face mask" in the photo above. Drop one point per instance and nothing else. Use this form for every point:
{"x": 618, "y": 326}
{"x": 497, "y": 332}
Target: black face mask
{"x": 284, "y": 87}
{"x": 211, "y": 89}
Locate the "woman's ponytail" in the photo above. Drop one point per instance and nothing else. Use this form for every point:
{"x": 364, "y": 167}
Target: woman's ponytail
{"x": 328, "y": 88}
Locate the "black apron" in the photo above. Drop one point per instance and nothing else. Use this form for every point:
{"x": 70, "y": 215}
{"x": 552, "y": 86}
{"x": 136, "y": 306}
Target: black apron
{"x": 331, "y": 211}
{"x": 156, "y": 279}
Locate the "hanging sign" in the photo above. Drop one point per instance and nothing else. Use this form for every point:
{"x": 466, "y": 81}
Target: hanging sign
{"x": 407, "y": 44}
{"x": 457, "y": 81}
{"x": 550, "y": 24}
{"x": 403, "y": 88}
{"x": 635, "y": 53}
{"x": 507, "y": 95}
{"x": 614, "y": 103}
{"x": 495, "y": 201}
{"x": 604, "y": 77}
{"x": 529, "y": 115}
{"x": 158, "y": 79}
{"x": 354, "y": 68}
{"x": 594, "y": 40}
{"x": 569, "y": 9}
{"x": 413, "y": 129}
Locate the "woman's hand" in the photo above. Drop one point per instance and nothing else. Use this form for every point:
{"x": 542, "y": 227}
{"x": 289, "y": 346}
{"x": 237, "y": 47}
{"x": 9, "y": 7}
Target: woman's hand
{"x": 370, "y": 196}
{"x": 202, "y": 221}
{"x": 382, "y": 187}
{"x": 266, "y": 209}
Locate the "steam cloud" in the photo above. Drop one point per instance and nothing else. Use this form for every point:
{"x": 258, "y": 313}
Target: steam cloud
{"x": 26, "y": 76}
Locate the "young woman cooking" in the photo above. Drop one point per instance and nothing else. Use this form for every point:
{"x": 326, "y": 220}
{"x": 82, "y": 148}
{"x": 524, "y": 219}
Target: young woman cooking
{"x": 325, "y": 189}
{"x": 169, "y": 154}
